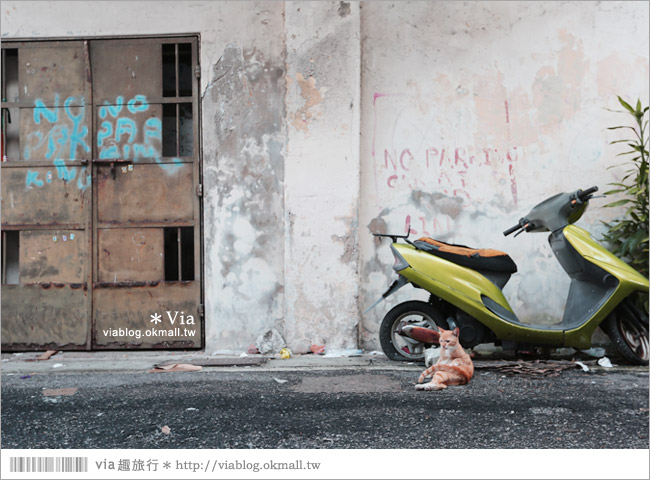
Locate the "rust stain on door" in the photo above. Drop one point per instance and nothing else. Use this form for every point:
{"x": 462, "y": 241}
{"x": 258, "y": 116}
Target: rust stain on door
{"x": 36, "y": 196}
{"x": 147, "y": 193}
{"x": 58, "y": 256}
{"x": 36, "y": 317}
{"x": 49, "y": 70}
{"x": 130, "y": 254}
{"x": 148, "y": 316}
{"x": 137, "y": 72}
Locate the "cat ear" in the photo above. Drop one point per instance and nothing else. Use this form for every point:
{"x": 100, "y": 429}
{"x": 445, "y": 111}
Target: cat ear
{"x": 455, "y": 332}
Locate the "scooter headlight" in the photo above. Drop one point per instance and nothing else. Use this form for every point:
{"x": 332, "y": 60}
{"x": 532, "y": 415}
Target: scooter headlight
{"x": 400, "y": 264}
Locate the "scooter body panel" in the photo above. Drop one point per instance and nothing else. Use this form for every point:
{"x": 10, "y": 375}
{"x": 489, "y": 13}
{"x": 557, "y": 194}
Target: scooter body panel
{"x": 465, "y": 288}
{"x": 621, "y": 279}
{"x": 583, "y": 242}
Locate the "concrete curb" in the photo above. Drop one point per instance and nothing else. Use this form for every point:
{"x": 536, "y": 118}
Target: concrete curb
{"x": 142, "y": 362}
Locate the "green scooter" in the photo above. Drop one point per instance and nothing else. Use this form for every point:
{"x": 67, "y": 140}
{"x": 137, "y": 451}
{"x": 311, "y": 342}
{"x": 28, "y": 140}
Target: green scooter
{"x": 465, "y": 286}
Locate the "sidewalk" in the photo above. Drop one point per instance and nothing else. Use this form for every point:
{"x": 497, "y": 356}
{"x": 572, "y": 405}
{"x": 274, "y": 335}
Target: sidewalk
{"x": 124, "y": 362}
{"x": 142, "y": 362}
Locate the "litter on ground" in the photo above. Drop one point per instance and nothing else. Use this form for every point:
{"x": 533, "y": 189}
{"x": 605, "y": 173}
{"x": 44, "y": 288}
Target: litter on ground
{"x": 537, "y": 368}
{"x": 176, "y": 367}
{"x": 605, "y": 362}
{"x": 584, "y": 367}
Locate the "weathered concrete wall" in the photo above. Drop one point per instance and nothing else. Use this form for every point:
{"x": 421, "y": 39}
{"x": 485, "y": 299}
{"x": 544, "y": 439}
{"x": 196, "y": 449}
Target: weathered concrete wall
{"x": 322, "y": 174}
{"x": 475, "y": 111}
{"x": 243, "y": 167}
{"x": 324, "y": 121}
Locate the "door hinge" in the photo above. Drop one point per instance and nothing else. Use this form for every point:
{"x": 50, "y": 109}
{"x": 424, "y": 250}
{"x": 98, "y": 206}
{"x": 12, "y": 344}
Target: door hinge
{"x": 197, "y": 71}
{"x": 200, "y": 310}
{"x": 199, "y": 190}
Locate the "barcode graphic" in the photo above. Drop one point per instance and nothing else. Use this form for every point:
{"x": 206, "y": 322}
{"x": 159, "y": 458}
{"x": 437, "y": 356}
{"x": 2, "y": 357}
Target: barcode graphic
{"x": 48, "y": 464}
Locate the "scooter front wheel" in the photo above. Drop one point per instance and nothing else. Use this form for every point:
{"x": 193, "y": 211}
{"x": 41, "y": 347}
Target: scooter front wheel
{"x": 402, "y": 348}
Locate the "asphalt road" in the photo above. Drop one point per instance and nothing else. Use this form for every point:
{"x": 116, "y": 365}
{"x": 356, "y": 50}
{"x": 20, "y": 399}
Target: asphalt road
{"x": 324, "y": 409}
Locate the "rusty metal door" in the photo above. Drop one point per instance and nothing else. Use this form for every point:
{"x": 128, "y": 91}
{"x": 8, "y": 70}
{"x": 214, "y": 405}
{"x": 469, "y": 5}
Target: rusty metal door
{"x": 100, "y": 197}
{"x": 46, "y": 202}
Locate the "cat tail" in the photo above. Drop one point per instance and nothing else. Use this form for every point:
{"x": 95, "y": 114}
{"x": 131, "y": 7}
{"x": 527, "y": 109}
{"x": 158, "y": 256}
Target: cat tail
{"x": 427, "y": 373}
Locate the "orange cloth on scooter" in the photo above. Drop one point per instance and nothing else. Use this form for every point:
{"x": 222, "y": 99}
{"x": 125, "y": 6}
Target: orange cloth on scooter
{"x": 461, "y": 250}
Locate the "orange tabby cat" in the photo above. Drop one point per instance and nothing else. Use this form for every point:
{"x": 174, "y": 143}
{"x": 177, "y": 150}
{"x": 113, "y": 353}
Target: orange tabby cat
{"x": 454, "y": 367}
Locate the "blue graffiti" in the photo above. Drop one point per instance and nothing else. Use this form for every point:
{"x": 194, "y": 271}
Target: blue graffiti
{"x": 32, "y": 179}
{"x": 110, "y": 152}
{"x": 152, "y": 130}
{"x": 58, "y": 137}
{"x": 106, "y": 132}
{"x": 116, "y": 129}
{"x": 145, "y": 151}
{"x": 40, "y": 140}
{"x": 40, "y": 110}
{"x": 114, "y": 110}
{"x": 68, "y": 134}
{"x": 133, "y": 108}
{"x": 78, "y": 134}
{"x": 125, "y": 126}
{"x": 66, "y": 174}
{"x": 80, "y": 184}
{"x": 170, "y": 168}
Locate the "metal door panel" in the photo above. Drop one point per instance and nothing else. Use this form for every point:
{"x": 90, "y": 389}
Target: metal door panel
{"x": 131, "y": 309}
{"x": 37, "y": 196}
{"x": 129, "y": 132}
{"x": 146, "y": 193}
{"x": 139, "y": 71}
{"x": 36, "y": 317}
{"x": 54, "y": 71}
{"x": 130, "y": 255}
{"x": 55, "y": 134}
{"x": 58, "y": 256}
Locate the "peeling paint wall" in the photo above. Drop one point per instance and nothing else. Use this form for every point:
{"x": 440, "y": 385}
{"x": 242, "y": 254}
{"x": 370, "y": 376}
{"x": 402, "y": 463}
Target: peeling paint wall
{"x": 322, "y": 174}
{"x": 475, "y": 111}
{"x": 322, "y": 122}
{"x": 244, "y": 177}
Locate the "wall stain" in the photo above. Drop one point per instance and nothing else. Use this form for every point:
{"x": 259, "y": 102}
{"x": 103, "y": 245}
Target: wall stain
{"x": 313, "y": 98}
{"x": 437, "y": 202}
{"x": 344, "y": 9}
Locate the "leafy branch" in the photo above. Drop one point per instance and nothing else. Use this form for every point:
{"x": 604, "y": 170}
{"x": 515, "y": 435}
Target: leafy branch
{"x": 628, "y": 235}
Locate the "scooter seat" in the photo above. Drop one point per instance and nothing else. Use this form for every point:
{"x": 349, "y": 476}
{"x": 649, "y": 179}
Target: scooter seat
{"x": 475, "y": 258}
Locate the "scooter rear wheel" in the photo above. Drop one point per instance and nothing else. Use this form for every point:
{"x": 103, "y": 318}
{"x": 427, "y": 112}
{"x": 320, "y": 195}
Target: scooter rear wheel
{"x": 401, "y": 348}
{"x": 627, "y": 328}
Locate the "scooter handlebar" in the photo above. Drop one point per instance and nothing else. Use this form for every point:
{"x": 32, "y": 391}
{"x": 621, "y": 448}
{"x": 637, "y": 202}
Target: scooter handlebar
{"x": 512, "y": 229}
{"x": 586, "y": 194}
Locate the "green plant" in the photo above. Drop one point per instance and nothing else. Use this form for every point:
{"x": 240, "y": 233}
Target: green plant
{"x": 628, "y": 235}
